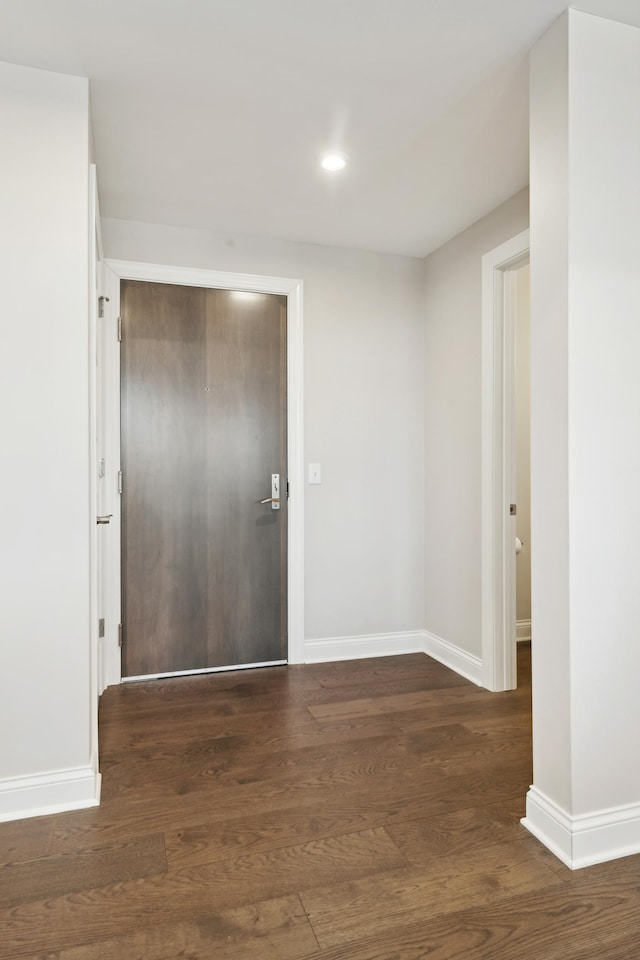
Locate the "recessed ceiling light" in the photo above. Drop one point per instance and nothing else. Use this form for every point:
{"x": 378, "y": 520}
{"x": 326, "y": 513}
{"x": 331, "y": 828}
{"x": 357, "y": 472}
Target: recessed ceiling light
{"x": 334, "y": 161}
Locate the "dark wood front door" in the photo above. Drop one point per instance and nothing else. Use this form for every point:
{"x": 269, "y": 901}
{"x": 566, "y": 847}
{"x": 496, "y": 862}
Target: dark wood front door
{"x": 203, "y": 428}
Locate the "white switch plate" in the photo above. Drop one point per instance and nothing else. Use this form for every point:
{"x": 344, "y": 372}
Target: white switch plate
{"x": 315, "y": 473}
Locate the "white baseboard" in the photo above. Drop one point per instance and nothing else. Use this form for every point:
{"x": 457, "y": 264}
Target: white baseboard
{"x": 394, "y": 644}
{"x": 48, "y": 793}
{"x": 523, "y": 630}
{"x": 586, "y": 839}
{"x": 360, "y": 647}
{"x": 453, "y": 657}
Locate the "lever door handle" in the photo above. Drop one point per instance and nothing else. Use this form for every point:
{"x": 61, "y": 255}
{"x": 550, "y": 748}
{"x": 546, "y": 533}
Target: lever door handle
{"x": 106, "y": 518}
{"x": 274, "y": 499}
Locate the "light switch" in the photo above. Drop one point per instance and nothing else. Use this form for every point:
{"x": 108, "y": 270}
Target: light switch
{"x": 315, "y": 474}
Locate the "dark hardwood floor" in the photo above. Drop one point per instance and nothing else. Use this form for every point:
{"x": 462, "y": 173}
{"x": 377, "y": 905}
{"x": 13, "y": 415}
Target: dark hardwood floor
{"x": 366, "y": 810}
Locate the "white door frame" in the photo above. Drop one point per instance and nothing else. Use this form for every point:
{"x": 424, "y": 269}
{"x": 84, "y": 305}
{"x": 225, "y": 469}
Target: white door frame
{"x": 95, "y": 254}
{"x": 117, "y": 270}
{"x": 498, "y": 462}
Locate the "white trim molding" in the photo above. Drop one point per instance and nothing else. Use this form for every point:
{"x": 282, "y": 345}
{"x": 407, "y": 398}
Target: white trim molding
{"x": 587, "y": 839}
{"x": 454, "y": 657}
{"x": 95, "y": 247}
{"x": 56, "y": 792}
{"x": 523, "y": 630}
{"x": 293, "y": 290}
{"x": 497, "y": 462}
{"x": 363, "y": 646}
{"x": 110, "y": 360}
{"x": 395, "y": 644}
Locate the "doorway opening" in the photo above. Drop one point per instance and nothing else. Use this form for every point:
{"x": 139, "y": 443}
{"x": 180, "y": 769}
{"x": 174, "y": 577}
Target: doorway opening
{"x": 500, "y": 276}
{"x": 522, "y": 453}
{"x": 290, "y": 292}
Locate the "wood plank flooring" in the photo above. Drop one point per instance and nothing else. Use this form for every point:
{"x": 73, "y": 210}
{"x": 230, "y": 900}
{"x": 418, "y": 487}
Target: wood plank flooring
{"x": 349, "y": 811}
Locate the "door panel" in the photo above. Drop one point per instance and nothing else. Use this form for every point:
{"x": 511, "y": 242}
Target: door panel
{"x": 203, "y": 428}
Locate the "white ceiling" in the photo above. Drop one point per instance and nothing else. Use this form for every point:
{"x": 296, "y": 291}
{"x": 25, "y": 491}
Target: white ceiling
{"x": 214, "y": 113}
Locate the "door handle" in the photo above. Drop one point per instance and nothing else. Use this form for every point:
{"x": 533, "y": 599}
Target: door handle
{"x": 274, "y": 499}
{"x": 106, "y": 518}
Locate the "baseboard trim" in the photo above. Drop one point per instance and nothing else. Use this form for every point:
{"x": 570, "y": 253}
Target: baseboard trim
{"x": 361, "y": 647}
{"x": 549, "y": 824}
{"x": 584, "y": 840}
{"x": 395, "y": 644}
{"x": 453, "y": 657}
{"x": 523, "y": 631}
{"x": 48, "y": 793}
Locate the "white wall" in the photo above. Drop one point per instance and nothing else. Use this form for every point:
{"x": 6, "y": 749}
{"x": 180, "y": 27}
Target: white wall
{"x": 452, "y": 378}
{"x": 549, "y": 414}
{"x": 45, "y": 698}
{"x": 604, "y": 404}
{"x": 523, "y": 445}
{"x": 363, "y": 344}
{"x": 585, "y": 345}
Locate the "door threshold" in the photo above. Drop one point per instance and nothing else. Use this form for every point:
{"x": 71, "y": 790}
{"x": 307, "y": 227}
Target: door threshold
{"x": 191, "y": 673}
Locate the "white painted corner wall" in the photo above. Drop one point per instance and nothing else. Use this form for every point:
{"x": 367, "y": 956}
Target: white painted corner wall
{"x": 453, "y": 363}
{"x": 48, "y": 702}
{"x": 585, "y": 342}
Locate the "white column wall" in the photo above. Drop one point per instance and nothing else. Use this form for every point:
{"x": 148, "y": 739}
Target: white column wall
{"x": 585, "y": 230}
{"x": 46, "y": 702}
{"x": 549, "y": 414}
{"x": 604, "y": 409}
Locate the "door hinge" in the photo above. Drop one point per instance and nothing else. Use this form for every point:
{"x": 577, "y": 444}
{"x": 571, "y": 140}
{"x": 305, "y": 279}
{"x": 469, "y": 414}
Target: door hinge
{"x": 287, "y": 489}
{"x": 513, "y": 509}
{"x": 119, "y": 329}
{"x": 101, "y": 303}
{"x": 101, "y": 628}
{"x": 120, "y": 635}
{"x": 120, "y": 481}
